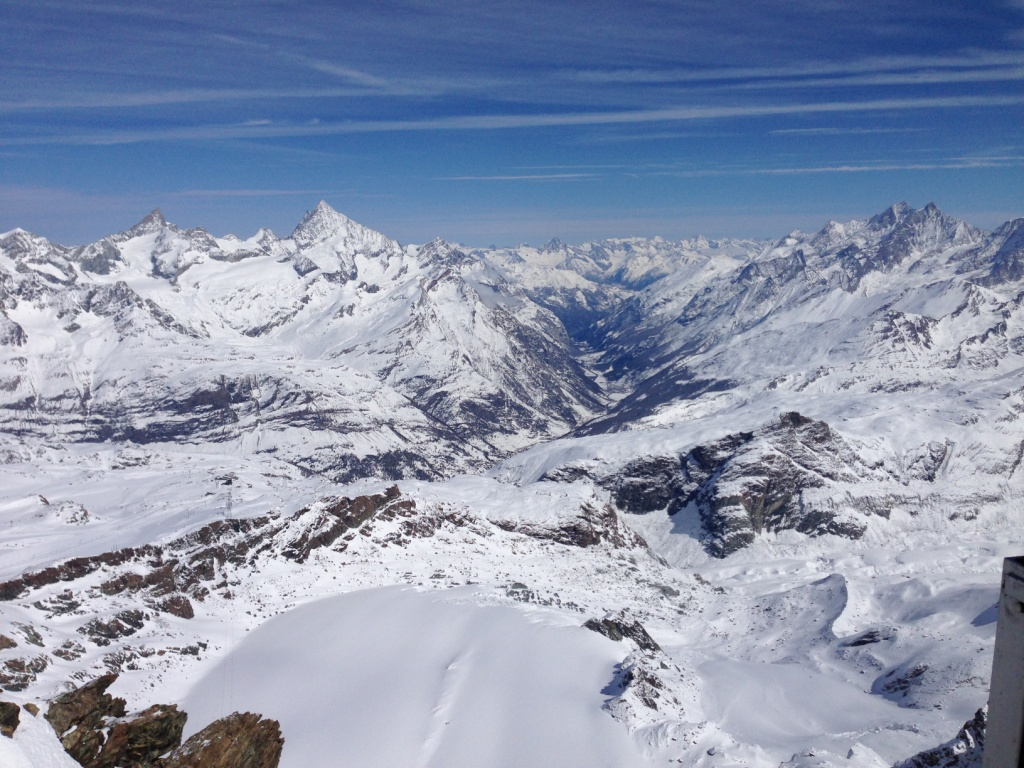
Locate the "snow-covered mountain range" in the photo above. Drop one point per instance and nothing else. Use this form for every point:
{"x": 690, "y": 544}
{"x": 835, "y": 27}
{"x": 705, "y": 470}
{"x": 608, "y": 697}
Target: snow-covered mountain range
{"x": 797, "y": 463}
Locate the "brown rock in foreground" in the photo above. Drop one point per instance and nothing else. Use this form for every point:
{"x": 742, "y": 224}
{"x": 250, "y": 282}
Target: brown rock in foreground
{"x": 92, "y": 726}
{"x": 143, "y": 738}
{"x": 79, "y": 716}
{"x": 9, "y": 718}
{"x": 240, "y": 740}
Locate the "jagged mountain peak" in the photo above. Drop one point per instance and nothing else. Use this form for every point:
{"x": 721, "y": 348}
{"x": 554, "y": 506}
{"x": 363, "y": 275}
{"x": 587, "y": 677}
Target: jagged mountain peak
{"x": 16, "y": 232}
{"x": 901, "y": 215}
{"x": 932, "y": 226}
{"x": 440, "y": 251}
{"x": 438, "y": 245}
{"x": 321, "y": 222}
{"x": 153, "y": 221}
{"x": 324, "y": 224}
{"x": 890, "y": 216}
{"x": 18, "y": 236}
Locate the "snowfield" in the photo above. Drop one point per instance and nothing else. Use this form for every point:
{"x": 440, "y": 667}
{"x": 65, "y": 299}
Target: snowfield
{"x": 376, "y": 491}
{"x": 395, "y": 676}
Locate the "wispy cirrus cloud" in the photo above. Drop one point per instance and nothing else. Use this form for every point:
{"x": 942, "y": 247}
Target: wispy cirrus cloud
{"x": 522, "y": 177}
{"x": 972, "y": 60}
{"x": 678, "y": 169}
{"x": 840, "y": 131}
{"x": 926, "y": 77}
{"x": 510, "y": 122}
{"x": 943, "y": 165}
{"x": 210, "y": 193}
{"x": 180, "y": 96}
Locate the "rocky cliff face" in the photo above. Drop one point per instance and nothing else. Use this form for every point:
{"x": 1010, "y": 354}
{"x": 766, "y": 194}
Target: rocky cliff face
{"x": 241, "y": 739}
{"x": 965, "y": 750}
{"x": 95, "y": 730}
{"x": 795, "y": 474}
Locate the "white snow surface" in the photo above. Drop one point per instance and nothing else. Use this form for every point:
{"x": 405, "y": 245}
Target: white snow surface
{"x": 249, "y": 375}
{"x": 34, "y": 745}
{"x": 399, "y": 677}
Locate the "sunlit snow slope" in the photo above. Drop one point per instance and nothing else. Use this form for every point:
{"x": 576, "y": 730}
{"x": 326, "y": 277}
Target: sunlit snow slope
{"x": 375, "y": 491}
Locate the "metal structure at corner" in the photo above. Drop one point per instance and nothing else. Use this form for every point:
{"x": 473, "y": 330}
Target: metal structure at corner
{"x": 1004, "y": 736}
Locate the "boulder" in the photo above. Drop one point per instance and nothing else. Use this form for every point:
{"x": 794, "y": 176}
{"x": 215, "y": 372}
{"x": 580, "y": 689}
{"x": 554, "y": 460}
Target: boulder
{"x": 93, "y": 729}
{"x": 78, "y": 717}
{"x": 240, "y": 740}
{"x": 142, "y": 738}
{"x": 9, "y": 718}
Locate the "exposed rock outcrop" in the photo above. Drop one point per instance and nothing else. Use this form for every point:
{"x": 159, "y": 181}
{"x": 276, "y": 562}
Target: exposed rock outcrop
{"x": 10, "y": 717}
{"x": 617, "y": 627}
{"x": 80, "y": 716}
{"x": 94, "y": 730}
{"x": 143, "y": 738}
{"x": 749, "y": 483}
{"x": 648, "y": 686}
{"x": 240, "y": 740}
{"x": 18, "y": 673}
{"x": 964, "y": 751}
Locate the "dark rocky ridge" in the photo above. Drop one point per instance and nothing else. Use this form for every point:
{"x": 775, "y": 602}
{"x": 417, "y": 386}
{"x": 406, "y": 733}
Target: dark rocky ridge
{"x": 748, "y": 483}
{"x": 176, "y": 577}
{"x": 965, "y": 750}
{"x": 184, "y": 567}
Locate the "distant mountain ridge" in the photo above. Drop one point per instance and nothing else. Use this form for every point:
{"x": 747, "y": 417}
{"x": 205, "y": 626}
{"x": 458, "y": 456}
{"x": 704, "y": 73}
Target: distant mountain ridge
{"x": 763, "y": 488}
{"x": 343, "y": 353}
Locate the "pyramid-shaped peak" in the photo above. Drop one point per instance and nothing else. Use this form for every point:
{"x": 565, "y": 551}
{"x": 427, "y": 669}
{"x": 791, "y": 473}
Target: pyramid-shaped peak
{"x": 153, "y": 221}
{"x": 321, "y": 223}
{"x": 325, "y": 225}
{"x": 323, "y": 208}
{"x": 323, "y": 214}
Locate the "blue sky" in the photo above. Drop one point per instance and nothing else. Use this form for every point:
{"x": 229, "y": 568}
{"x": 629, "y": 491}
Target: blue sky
{"x": 504, "y": 122}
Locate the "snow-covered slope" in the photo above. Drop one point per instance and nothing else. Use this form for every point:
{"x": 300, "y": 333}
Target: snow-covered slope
{"x": 334, "y": 349}
{"x": 782, "y": 474}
